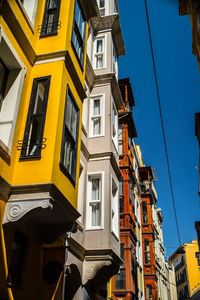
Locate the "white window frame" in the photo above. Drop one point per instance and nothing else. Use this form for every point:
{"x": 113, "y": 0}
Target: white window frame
{"x": 10, "y": 104}
{"x": 114, "y": 208}
{"x": 101, "y": 97}
{"x": 103, "y": 53}
{"x": 115, "y": 61}
{"x": 100, "y": 175}
{"x": 114, "y": 127}
{"x": 105, "y": 8}
{"x": 30, "y": 8}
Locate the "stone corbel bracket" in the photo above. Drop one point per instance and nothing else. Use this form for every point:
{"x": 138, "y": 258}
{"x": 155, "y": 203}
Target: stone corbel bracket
{"x": 16, "y": 210}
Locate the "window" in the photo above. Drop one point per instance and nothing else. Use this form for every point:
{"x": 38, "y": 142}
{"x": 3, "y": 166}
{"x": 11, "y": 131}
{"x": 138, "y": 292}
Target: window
{"x": 102, "y": 7}
{"x": 95, "y": 191}
{"x": 146, "y": 252}
{"x": 96, "y": 116}
{"x": 149, "y": 294}
{"x": 115, "y": 209}
{"x": 12, "y": 72}
{"x": 99, "y": 53}
{"x": 50, "y": 22}
{"x": 114, "y": 125}
{"x": 17, "y": 261}
{"x": 144, "y": 213}
{"x": 120, "y": 139}
{"x": 121, "y": 197}
{"x": 121, "y": 277}
{"x": 115, "y": 62}
{"x": 33, "y": 140}
{"x": 30, "y": 7}
{"x": 78, "y": 34}
{"x": 70, "y": 137}
{"x": 3, "y": 80}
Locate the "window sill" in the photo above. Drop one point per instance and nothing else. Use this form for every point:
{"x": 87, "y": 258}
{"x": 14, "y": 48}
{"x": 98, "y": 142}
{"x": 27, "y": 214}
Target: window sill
{"x": 46, "y": 35}
{"x": 67, "y": 174}
{"x": 28, "y": 158}
{"x": 94, "y": 228}
{"x": 96, "y": 136}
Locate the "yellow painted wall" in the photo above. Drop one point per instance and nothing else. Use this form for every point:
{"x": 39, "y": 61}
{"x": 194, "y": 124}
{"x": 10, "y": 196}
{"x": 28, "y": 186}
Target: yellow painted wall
{"x": 193, "y": 269}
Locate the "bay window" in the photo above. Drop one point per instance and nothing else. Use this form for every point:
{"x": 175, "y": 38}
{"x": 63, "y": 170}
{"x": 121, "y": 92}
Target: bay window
{"x": 70, "y": 138}
{"x": 99, "y": 53}
{"x": 78, "y": 34}
{"x": 33, "y": 137}
{"x": 95, "y": 199}
{"x": 96, "y": 115}
{"x": 144, "y": 213}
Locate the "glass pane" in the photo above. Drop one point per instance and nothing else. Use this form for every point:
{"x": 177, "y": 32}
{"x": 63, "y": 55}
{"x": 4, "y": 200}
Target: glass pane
{"x": 52, "y": 3}
{"x": 120, "y": 280}
{"x": 50, "y": 23}
{"x": 96, "y": 107}
{"x": 99, "y": 46}
{"x": 68, "y": 156}
{"x": 96, "y": 214}
{"x": 39, "y": 98}
{"x": 99, "y": 61}
{"x": 101, "y": 3}
{"x": 96, "y": 126}
{"x": 73, "y": 128}
{"x": 95, "y": 189}
{"x": 68, "y": 114}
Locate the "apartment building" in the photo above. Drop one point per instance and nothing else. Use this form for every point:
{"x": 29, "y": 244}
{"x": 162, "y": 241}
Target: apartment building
{"x": 128, "y": 284}
{"x": 95, "y": 245}
{"x": 42, "y": 87}
{"x": 192, "y": 8}
{"x": 186, "y": 271}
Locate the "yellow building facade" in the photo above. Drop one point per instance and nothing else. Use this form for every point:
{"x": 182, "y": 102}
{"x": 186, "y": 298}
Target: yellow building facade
{"x": 42, "y": 73}
{"x": 187, "y": 270}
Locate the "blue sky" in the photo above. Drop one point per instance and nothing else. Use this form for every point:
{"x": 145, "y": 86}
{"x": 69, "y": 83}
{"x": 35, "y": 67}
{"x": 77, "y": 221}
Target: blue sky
{"x": 179, "y": 86}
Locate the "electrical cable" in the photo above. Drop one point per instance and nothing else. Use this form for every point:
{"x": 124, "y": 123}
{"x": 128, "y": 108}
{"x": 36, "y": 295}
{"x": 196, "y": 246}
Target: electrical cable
{"x": 161, "y": 120}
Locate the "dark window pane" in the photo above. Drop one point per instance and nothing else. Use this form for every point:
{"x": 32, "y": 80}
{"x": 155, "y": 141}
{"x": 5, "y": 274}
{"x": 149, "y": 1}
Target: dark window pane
{"x": 70, "y": 136}
{"x": 120, "y": 280}
{"x": 78, "y": 34}
{"x": 3, "y": 80}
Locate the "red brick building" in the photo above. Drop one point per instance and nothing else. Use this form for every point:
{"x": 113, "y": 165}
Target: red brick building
{"x": 149, "y": 198}
{"x": 125, "y": 283}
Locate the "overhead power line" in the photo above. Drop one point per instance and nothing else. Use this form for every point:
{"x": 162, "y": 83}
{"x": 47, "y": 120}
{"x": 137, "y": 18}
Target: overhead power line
{"x": 161, "y": 120}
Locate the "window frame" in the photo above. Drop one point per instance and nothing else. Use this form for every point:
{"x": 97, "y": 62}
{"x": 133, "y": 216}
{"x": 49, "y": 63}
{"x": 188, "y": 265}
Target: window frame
{"x": 99, "y": 174}
{"x": 80, "y": 37}
{"x": 101, "y": 116}
{"x": 4, "y": 82}
{"x": 45, "y": 23}
{"x": 105, "y": 8}
{"x": 73, "y": 140}
{"x": 145, "y": 217}
{"x": 103, "y": 53}
{"x": 115, "y": 208}
{"x": 115, "y": 125}
{"x": 31, "y": 115}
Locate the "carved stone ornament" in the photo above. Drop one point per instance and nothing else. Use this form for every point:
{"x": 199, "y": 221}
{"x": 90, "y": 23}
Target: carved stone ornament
{"x": 94, "y": 268}
{"x": 16, "y": 210}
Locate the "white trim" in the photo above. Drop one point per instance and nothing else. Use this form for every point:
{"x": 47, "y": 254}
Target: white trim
{"x": 113, "y": 206}
{"x": 81, "y": 192}
{"x": 101, "y": 115}
{"x": 102, "y": 37}
{"x": 88, "y": 195}
{"x": 105, "y": 7}
{"x": 49, "y": 60}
